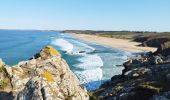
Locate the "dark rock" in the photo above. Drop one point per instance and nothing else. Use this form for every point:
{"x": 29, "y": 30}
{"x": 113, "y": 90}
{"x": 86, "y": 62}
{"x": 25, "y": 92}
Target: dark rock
{"x": 82, "y": 51}
{"x": 168, "y": 77}
{"x": 143, "y": 78}
{"x": 141, "y": 38}
{"x": 155, "y": 42}
{"x": 164, "y": 49}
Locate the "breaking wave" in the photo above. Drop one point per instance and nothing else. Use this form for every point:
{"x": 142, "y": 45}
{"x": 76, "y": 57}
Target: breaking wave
{"x": 63, "y": 45}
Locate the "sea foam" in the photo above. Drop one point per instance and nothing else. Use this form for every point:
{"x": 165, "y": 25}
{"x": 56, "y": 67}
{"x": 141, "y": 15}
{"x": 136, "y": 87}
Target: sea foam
{"x": 86, "y": 76}
{"x": 79, "y": 46}
{"x": 63, "y": 45}
{"x": 89, "y": 62}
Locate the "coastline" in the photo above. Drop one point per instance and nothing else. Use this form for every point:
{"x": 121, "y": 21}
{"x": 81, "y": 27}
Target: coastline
{"x": 123, "y": 44}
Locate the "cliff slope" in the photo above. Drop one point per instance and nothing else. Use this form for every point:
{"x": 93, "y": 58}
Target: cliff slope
{"x": 46, "y": 76}
{"x": 145, "y": 77}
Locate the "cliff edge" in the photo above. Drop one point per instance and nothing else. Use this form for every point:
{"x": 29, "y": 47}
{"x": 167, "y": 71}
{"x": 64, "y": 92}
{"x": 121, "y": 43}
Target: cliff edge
{"x": 46, "y": 76}
{"x": 145, "y": 77}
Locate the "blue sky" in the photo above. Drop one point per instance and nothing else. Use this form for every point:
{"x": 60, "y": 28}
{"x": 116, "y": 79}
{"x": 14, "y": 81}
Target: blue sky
{"x": 134, "y": 15}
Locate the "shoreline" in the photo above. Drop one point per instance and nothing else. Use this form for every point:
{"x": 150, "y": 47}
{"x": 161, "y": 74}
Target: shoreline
{"x": 123, "y": 44}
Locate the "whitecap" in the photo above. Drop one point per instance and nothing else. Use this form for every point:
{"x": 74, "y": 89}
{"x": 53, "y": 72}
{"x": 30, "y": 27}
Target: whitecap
{"x": 89, "y": 75}
{"x": 79, "y": 46}
{"x": 63, "y": 44}
{"x": 89, "y": 62}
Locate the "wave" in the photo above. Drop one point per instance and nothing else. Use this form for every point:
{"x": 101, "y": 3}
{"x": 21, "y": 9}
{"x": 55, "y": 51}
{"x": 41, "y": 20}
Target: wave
{"x": 81, "y": 47}
{"x": 89, "y": 75}
{"x": 83, "y": 44}
{"x": 63, "y": 45}
{"x": 89, "y": 62}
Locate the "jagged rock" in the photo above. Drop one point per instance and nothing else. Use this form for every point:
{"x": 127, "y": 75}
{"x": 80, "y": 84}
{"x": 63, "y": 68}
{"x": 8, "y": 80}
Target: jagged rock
{"x": 158, "y": 60}
{"x": 137, "y": 72}
{"x": 143, "y": 78}
{"x": 168, "y": 77}
{"x": 164, "y": 49}
{"x": 46, "y": 76}
{"x": 156, "y": 97}
{"x": 5, "y": 85}
{"x": 163, "y": 96}
{"x": 154, "y": 40}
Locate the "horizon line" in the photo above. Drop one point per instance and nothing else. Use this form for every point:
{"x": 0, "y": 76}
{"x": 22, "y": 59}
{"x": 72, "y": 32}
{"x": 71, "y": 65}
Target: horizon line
{"x": 83, "y": 30}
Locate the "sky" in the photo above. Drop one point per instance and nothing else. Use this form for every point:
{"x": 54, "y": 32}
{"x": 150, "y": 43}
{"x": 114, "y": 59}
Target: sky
{"x": 116, "y": 15}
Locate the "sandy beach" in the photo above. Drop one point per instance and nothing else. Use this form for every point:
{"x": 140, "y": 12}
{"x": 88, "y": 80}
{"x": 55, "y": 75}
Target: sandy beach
{"x": 123, "y": 44}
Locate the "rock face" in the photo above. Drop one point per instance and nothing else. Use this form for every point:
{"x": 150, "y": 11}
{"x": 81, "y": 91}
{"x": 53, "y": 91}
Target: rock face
{"x": 164, "y": 49}
{"x": 154, "y": 40}
{"x": 46, "y": 76}
{"x": 146, "y": 77}
{"x": 143, "y": 78}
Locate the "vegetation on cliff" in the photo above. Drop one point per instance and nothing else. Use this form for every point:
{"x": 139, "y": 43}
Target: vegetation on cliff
{"x": 151, "y": 39}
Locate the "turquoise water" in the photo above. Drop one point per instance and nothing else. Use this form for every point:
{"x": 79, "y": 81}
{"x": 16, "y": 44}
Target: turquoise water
{"x": 90, "y": 62}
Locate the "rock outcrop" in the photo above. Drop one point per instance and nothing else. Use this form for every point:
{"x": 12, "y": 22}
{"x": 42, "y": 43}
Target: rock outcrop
{"x": 46, "y": 76}
{"x": 143, "y": 78}
{"x": 153, "y": 40}
{"x": 164, "y": 49}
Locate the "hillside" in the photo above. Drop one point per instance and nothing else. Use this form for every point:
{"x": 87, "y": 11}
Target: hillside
{"x": 151, "y": 39}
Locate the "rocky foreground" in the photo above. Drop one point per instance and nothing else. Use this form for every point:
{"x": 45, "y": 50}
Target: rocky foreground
{"x": 46, "y": 76}
{"x": 146, "y": 77}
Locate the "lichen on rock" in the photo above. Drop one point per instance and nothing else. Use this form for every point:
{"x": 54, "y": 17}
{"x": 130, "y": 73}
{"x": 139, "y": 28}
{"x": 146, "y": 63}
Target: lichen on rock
{"x": 49, "y": 77}
{"x": 51, "y": 50}
{"x": 46, "y": 76}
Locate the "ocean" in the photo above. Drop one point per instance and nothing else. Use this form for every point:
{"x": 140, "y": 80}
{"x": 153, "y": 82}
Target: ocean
{"x": 93, "y": 64}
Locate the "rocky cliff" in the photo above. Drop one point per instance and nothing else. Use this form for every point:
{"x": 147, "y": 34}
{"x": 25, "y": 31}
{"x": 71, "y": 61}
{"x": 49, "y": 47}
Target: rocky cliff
{"x": 153, "y": 40}
{"x": 46, "y": 76}
{"x": 164, "y": 49}
{"x": 145, "y": 77}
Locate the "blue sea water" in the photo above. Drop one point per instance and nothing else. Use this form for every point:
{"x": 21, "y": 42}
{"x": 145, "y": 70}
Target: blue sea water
{"x": 91, "y": 63}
